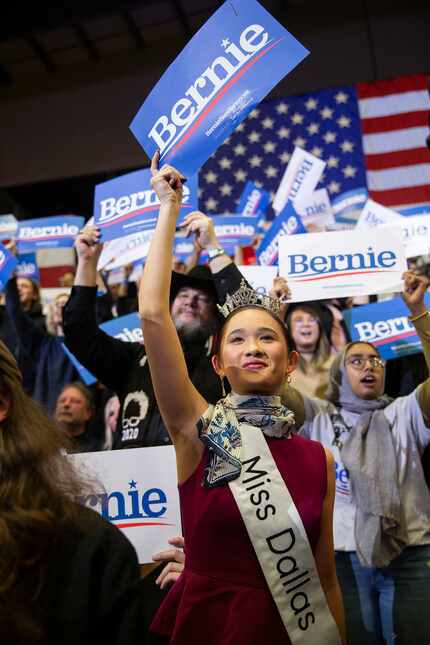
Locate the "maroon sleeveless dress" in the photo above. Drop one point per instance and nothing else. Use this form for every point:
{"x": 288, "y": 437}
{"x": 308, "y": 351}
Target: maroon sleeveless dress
{"x": 222, "y": 597}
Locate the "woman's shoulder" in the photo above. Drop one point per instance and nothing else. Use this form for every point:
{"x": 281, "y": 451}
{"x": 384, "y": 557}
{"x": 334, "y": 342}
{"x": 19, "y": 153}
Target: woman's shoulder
{"x": 91, "y": 532}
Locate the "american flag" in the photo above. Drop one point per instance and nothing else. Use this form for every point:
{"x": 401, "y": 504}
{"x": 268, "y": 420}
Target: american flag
{"x": 371, "y": 136}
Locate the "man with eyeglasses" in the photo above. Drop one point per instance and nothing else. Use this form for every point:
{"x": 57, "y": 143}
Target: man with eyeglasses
{"x": 382, "y": 503}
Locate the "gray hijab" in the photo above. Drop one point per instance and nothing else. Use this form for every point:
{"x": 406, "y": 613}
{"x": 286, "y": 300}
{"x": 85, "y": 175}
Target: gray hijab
{"x": 369, "y": 455}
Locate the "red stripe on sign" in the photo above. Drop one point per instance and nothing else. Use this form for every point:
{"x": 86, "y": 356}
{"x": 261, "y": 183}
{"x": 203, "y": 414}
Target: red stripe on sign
{"x": 397, "y": 159}
{"x": 394, "y": 86}
{"x": 395, "y": 122}
{"x": 385, "y": 341}
{"x": 338, "y": 275}
{"x": 402, "y": 196}
{"x": 129, "y": 524}
{"x": 219, "y": 96}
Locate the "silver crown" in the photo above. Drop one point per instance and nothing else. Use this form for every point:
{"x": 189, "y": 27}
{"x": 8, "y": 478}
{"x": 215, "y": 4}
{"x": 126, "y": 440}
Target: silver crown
{"x": 244, "y": 297}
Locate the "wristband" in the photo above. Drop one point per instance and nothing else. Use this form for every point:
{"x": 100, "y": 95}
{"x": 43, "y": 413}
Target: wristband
{"x": 214, "y": 253}
{"x": 414, "y": 318}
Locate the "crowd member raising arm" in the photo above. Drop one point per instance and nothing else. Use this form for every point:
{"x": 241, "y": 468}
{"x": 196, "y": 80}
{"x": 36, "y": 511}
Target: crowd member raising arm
{"x": 382, "y": 504}
{"x": 229, "y": 571}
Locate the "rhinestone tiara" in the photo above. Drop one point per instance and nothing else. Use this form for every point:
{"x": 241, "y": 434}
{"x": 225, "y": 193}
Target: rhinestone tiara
{"x": 246, "y": 296}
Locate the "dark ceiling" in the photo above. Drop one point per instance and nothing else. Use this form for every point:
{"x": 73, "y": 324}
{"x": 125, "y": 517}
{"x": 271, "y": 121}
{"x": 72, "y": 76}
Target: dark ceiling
{"x": 45, "y": 46}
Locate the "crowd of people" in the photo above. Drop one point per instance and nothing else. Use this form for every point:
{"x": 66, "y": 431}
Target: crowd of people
{"x": 343, "y": 437}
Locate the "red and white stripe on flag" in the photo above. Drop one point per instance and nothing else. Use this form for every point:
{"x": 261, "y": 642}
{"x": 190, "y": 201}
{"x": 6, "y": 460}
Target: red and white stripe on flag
{"x": 394, "y": 117}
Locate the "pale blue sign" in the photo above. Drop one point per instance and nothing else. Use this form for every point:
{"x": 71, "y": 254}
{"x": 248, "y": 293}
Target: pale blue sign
{"x": 48, "y": 232}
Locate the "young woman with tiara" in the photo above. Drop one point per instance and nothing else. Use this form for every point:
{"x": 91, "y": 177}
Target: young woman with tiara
{"x": 256, "y": 499}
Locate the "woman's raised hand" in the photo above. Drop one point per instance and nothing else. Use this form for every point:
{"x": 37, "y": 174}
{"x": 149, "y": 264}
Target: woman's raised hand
{"x": 167, "y": 182}
{"x": 415, "y": 287}
{"x": 87, "y": 244}
{"x": 281, "y": 291}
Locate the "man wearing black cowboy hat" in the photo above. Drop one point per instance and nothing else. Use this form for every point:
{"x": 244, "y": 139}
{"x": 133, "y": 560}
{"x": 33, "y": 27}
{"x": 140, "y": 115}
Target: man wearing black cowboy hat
{"x": 121, "y": 366}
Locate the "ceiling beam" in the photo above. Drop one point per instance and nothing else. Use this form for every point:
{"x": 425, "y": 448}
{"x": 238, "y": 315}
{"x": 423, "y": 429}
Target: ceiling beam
{"x": 86, "y": 42}
{"x": 5, "y": 77}
{"x": 41, "y": 53}
{"x": 133, "y": 28}
{"x": 182, "y": 17}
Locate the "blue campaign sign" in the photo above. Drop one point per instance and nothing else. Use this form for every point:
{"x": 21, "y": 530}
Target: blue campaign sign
{"x": 235, "y": 230}
{"x": 84, "y": 374}
{"x": 348, "y": 206}
{"x": 8, "y": 263}
{"x": 126, "y": 328}
{"x": 226, "y": 69}
{"x": 8, "y": 226}
{"x": 48, "y": 232}
{"x": 385, "y": 324}
{"x": 183, "y": 247}
{"x": 127, "y": 204}
{"x": 288, "y": 222}
{"x": 27, "y": 267}
{"x": 253, "y": 201}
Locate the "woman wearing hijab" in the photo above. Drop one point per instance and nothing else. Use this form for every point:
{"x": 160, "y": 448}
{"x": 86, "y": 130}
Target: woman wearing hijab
{"x": 255, "y": 497}
{"x": 382, "y": 503}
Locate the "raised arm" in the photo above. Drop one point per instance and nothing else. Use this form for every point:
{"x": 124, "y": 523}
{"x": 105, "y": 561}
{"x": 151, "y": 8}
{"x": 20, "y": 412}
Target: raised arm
{"x": 415, "y": 288}
{"x": 29, "y": 333}
{"x": 179, "y": 402}
{"x": 106, "y": 357}
{"x": 226, "y": 275}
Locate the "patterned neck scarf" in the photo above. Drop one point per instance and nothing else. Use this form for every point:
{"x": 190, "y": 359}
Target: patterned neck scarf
{"x": 219, "y": 430}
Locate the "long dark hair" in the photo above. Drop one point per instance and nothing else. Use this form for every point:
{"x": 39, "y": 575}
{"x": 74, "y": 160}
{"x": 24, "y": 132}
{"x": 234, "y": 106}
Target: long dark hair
{"x": 37, "y": 487}
{"x": 322, "y": 349}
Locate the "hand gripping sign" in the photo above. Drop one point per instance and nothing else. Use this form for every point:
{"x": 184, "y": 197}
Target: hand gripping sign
{"x": 48, "y": 232}
{"x": 127, "y": 204}
{"x": 226, "y": 69}
{"x": 346, "y": 263}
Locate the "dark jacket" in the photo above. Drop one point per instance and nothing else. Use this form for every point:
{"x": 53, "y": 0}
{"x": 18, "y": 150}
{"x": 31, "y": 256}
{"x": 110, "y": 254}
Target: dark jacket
{"x": 93, "y": 592}
{"x": 123, "y": 367}
{"x": 46, "y": 368}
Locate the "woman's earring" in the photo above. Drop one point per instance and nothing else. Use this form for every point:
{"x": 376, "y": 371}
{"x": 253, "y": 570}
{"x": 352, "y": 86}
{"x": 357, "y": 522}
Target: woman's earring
{"x": 288, "y": 379}
{"x": 222, "y": 387}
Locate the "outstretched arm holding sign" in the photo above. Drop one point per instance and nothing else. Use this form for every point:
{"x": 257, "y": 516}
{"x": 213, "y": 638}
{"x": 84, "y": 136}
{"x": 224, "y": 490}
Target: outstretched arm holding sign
{"x": 180, "y": 403}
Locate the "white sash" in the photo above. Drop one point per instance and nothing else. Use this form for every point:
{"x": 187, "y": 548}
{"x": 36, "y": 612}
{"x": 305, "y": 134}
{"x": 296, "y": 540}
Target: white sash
{"x": 281, "y": 544}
